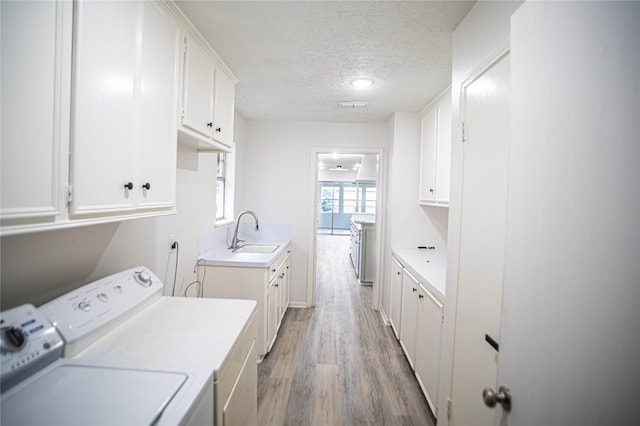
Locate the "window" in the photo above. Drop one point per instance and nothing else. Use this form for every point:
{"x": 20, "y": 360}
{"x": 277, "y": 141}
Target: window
{"x": 220, "y": 186}
{"x": 369, "y": 199}
{"x": 329, "y": 198}
{"x": 347, "y": 198}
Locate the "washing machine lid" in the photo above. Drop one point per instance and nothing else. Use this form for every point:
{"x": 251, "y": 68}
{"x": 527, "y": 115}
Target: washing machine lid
{"x": 70, "y": 394}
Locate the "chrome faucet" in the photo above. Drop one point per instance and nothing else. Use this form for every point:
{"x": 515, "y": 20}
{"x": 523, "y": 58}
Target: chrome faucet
{"x": 235, "y": 240}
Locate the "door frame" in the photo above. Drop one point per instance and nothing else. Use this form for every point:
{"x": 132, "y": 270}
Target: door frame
{"x": 313, "y": 219}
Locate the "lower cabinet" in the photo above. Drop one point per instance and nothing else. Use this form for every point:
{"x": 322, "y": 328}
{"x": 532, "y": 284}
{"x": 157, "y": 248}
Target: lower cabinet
{"x": 396, "y": 296}
{"x": 421, "y": 317}
{"x": 268, "y": 286}
{"x": 409, "y": 315}
{"x": 429, "y": 319}
{"x": 236, "y": 387}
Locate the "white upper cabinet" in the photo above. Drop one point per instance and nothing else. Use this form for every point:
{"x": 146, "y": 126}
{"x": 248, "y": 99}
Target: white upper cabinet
{"x": 123, "y": 135}
{"x": 198, "y": 88}
{"x": 91, "y": 95}
{"x": 208, "y": 95}
{"x": 225, "y": 93}
{"x": 158, "y": 109}
{"x": 428, "y": 154}
{"x": 36, "y": 61}
{"x": 435, "y": 158}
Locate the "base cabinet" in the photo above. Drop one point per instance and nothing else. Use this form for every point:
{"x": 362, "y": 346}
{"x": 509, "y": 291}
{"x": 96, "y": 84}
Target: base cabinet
{"x": 429, "y": 320}
{"x": 396, "y": 296}
{"x": 409, "y": 316}
{"x": 268, "y": 286}
{"x": 421, "y": 320}
{"x": 236, "y": 387}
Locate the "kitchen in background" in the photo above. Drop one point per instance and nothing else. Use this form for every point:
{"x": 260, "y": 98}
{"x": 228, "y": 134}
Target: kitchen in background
{"x": 347, "y": 206}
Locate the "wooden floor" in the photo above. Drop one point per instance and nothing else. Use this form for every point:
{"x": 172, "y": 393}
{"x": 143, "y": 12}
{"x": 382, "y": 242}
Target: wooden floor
{"x": 337, "y": 363}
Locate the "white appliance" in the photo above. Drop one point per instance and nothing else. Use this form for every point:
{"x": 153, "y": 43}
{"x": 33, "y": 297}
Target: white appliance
{"x": 127, "y": 357}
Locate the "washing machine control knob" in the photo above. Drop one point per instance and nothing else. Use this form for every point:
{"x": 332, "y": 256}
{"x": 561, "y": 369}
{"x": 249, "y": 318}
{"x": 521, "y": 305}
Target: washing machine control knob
{"x": 12, "y": 339}
{"x": 143, "y": 278}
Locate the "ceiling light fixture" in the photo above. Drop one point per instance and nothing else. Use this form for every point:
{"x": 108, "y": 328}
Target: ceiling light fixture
{"x": 339, "y": 168}
{"x": 362, "y": 83}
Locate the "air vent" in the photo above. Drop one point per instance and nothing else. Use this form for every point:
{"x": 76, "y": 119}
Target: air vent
{"x": 352, "y": 105}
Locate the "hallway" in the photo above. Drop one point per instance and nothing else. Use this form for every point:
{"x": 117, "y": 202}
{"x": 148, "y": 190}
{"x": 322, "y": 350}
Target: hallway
{"x": 337, "y": 363}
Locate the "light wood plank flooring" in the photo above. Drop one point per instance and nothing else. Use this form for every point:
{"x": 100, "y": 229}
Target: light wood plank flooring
{"x": 337, "y": 363}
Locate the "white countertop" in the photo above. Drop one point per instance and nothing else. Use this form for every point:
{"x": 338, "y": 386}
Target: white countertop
{"x": 190, "y": 335}
{"x": 428, "y": 266}
{"x": 222, "y": 256}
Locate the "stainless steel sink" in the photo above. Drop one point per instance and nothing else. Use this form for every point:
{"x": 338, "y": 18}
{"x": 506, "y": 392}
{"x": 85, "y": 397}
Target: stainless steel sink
{"x": 257, "y": 248}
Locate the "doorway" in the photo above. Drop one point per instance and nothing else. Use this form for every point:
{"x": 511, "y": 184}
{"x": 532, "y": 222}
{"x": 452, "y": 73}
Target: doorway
{"x": 345, "y": 186}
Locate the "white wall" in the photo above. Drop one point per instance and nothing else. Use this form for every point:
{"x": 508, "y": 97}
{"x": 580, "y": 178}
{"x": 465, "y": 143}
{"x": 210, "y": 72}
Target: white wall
{"x": 277, "y": 176}
{"x": 478, "y": 37}
{"x": 408, "y": 224}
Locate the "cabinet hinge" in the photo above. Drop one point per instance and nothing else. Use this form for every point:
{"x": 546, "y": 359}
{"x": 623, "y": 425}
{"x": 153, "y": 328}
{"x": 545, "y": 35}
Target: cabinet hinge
{"x": 449, "y": 408}
{"x": 69, "y": 194}
{"x": 462, "y": 135}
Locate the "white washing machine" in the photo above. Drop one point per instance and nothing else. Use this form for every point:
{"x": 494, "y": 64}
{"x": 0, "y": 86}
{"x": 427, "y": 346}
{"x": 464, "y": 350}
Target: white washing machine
{"x": 129, "y": 355}
{"x": 39, "y": 387}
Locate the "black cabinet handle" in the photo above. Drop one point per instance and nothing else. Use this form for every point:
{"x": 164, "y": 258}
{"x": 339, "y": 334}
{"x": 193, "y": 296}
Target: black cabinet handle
{"x": 147, "y": 186}
{"x": 218, "y": 129}
{"x": 415, "y": 289}
{"x": 210, "y": 124}
{"x": 492, "y": 342}
{"x": 129, "y": 185}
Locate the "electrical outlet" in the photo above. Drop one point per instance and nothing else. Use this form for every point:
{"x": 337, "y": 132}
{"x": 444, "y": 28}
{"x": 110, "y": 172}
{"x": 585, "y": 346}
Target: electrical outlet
{"x": 173, "y": 243}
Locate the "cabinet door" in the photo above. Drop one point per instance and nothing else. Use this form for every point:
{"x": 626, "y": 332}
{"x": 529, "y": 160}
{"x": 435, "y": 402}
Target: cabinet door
{"x": 35, "y": 75}
{"x": 241, "y": 408}
{"x": 272, "y": 314}
{"x": 428, "y": 153}
{"x": 428, "y": 344}
{"x": 198, "y": 90}
{"x": 156, "y": 176}
{"x": 287, "y": 285}
{"x": 224, "y": 107}
{"x": 283, "y": 292}
{"x": 443, "y": 156}
{"x": 396, "y": 296}
{"x": 409, "y": 314}
{"x": 102, "y": 132}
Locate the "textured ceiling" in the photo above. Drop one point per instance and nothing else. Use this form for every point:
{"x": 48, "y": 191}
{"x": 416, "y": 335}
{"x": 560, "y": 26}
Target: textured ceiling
{"x": 294, "y": 59}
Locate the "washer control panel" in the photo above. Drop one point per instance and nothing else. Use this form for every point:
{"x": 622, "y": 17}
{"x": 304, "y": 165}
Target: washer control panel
{"x": 28, "y": 342}
{"x": 84, "y": 314}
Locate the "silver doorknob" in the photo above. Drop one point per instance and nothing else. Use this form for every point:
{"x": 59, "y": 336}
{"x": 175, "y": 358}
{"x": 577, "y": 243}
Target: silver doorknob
{"x": 503, "y": 397}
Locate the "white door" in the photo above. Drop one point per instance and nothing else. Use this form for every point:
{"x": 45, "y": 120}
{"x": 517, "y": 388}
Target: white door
{"x": 570, "y": 338}
{"x": 485, "y": 111}
{"x": 198, "y": 90}
{"x": 33, "y": 36}
{"x": 158, "y": 134}
{"x": 223, "y": 108}
{"x": 428, "y": 152}
{"x": 102, "y": 128}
